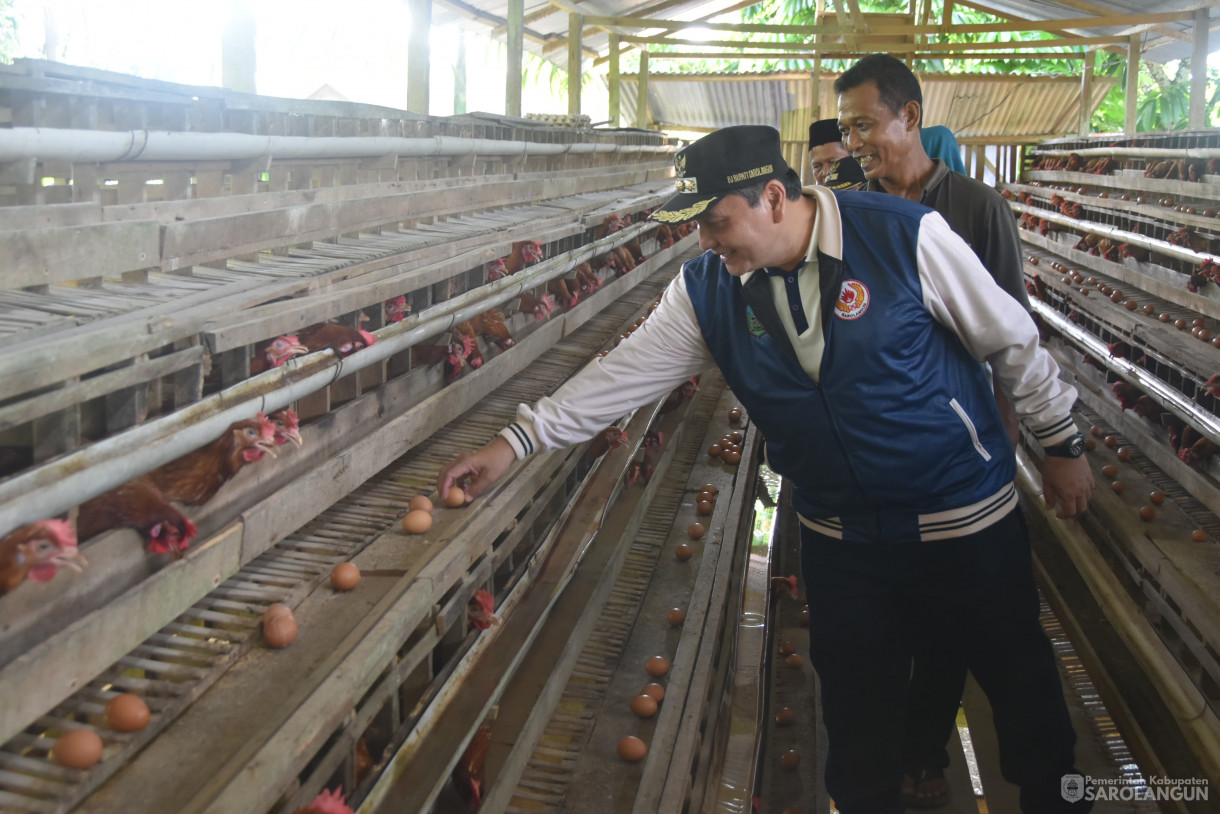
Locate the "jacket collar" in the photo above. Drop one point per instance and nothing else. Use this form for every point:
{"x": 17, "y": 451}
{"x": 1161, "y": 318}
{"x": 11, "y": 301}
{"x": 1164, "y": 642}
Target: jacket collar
{"x": 827, "y": 234}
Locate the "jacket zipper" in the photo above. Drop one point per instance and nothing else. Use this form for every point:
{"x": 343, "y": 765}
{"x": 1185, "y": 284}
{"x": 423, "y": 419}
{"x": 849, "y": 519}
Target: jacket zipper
{"x": 974, "y": 435}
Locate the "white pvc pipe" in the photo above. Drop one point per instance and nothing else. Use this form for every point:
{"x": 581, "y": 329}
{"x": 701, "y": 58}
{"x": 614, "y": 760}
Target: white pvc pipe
{"x": 57, "y": 486}
{"x": 47, "y": 144}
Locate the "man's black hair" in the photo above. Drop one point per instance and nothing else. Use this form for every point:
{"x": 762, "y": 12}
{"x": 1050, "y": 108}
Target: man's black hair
{"x": 895, "y": 82}
{"x": 753, "y": 193}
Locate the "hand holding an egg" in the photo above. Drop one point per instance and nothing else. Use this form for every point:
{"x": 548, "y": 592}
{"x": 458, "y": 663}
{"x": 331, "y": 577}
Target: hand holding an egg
{"x": 480, "y": 469}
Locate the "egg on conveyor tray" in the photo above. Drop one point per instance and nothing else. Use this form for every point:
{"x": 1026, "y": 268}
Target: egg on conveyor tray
{"x": 675, "y": 616}
{"x": 657, "y": 666}
{"x": 632, "y": 749}
{"x": 417, "y": 521}
{"x": 654, "y": 691}
{"x": 455, "y": 497}
{"x": 279, "y": 626}
{"x": 127, "y": 713}
{"x": 420, "y": 502}
{"x": 78, "y": 749}
{"x": 344, "y": 576}
{"x": 644, "y": 706}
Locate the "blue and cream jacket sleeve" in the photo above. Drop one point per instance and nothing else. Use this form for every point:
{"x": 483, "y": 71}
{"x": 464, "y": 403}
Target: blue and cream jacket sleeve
{"x": 666, "y": 350}
{"x": 961, "y": 295}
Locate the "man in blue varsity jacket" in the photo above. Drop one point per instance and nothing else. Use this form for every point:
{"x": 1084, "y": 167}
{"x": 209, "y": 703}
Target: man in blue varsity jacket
{"x": 853, "y": 327}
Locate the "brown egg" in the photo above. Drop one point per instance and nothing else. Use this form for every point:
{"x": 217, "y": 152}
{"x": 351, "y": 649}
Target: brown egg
{"x": 417, "y": 521}
{"x": 704, "y": 507}
{"x": 1033, "y": 261}
{"x": 278, "y": 609}
{"x": 1109, "y": 470}
{"x": 1147, "y": 513}
{"x": 731, "y": 458}
{"x": 786, "y": 648}
{"x": 657, "y": 666}
{"x": 736, "y": 436}
{"x": 1198, "y": 322}
{"x": 1111, "y": 440}
{"x": 1090, "y": 444}
{"x": 632, "y": 749}
{"x": 344, "y": 576}
{"x": 785, "y": 716}
{"x": 735, "y": 415}
{"x": 1205, "y": 335}
{"x": 644, "y": 706}
{"x": 1123, "y": 454}
{"x": 77, "y": 749}
{"x": 127, "y": 713}
{"x": 1131, "y": 305}
{"x": 654, "y": 691}
{"x": 1216, "y": 341}
{"x": 683, "y": 552}
{"x": 1084, "y": 292}
{"x": 1164, "y": 317}
{"x": 1199, "y": 536}
{"x": 1156, "y": 498}
{"x": 707, "y": 487}
{"x": 1118, "y": 486}
{"x": 1149, "y": 309}
{"x": 714, "y": 450}
{"x": 790, "y": 760}
{"x": 1097, "y": 430}
{"x": 420, "y": 502}
{"x": 675, "y": 616}
{"x": 1180, "y": 324}
{"x": 795, "y": 660}
{"x": 1091, "y": 281}
{"x": 279, "y": 631}
{"x": 1117, "y": 296}
{"x": 455, "y": 497}
{"x": 1195, "y": 331}
{"x": 696, "y": 530}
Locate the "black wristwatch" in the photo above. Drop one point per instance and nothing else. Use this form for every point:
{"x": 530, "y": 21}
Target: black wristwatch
{"x": 1071, "y": 448}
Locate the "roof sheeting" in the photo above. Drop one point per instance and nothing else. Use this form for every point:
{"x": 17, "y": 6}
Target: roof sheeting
{"x": 1013, "y": 108}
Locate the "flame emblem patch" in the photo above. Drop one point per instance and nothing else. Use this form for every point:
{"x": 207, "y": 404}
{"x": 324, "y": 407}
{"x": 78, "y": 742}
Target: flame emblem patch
{"x": 853, "y": 300}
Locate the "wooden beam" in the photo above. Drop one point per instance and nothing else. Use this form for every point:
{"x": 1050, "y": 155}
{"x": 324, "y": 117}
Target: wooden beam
{"x": 1133, "y": 85}
{"x": 418, "y": 56}
{"x": 1086, "y": 94}
{"x": 615, "y": 98}
{"x": 641, "y": 100}
{"x": 866, "y": 41}
{"x": 1198, "y": 72}
{"x": 574, "y": 55}
{"x": 844, "y": 54}
{"x": 516, "y": 47}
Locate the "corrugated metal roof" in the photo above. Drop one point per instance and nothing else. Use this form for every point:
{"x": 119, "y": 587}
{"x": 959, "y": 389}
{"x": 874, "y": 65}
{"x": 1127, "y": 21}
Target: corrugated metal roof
{"x": 984, "y": 106}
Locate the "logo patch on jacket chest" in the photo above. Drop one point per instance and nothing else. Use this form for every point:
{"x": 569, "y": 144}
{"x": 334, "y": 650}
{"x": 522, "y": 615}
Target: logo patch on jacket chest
{"x": 853, "y": 300}
{"x": 752, "y": 324}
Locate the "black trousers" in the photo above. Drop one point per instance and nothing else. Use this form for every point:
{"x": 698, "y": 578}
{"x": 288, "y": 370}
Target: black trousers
{"x": 870, "y": 603}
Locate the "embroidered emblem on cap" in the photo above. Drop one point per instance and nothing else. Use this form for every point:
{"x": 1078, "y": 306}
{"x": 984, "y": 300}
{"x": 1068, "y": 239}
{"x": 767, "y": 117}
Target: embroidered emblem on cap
{"x": 687, "y": 184}
{"x": 752, "y": 324}
{"x": 680, "y": 164}
{"x": 766, "y": 169}
{"x": 853, "y": 300}
{"x": 680, "y": 215}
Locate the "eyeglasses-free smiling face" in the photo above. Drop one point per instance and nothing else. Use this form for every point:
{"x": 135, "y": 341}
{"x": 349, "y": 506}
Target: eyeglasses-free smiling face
{"x": 741, "y": 234}
{"x": 875, "y": 135}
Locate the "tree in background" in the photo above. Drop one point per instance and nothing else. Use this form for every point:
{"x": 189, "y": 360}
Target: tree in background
{"x": 8, "y": 31}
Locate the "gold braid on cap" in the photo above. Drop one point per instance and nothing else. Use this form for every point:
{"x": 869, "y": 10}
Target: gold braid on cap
{"x": 679, "y": 215}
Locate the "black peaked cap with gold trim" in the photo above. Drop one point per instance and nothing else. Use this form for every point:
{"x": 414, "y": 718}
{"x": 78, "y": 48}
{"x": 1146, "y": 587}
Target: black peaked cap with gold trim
{"x": 720, "y": 162}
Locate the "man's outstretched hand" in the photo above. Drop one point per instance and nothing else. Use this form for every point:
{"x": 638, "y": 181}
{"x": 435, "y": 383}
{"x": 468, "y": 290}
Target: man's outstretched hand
{"x": 478, "y": 469}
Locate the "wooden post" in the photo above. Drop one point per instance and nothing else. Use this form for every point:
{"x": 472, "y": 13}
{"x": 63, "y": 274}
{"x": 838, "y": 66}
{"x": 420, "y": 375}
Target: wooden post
{"x": 574, "y": 57}
{"x": 1086, "y": 92}
{"x": 459, "y": 76}
{"x": 614, "y": 81}
{"x": 237, "y": 51}
{"x": 516, "y": 40}
{"x": 418, "y": 56}
{"x": 1198, "y": 72}
{"x": 641, "y": 99}
{"x": 1133, "y": 85}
